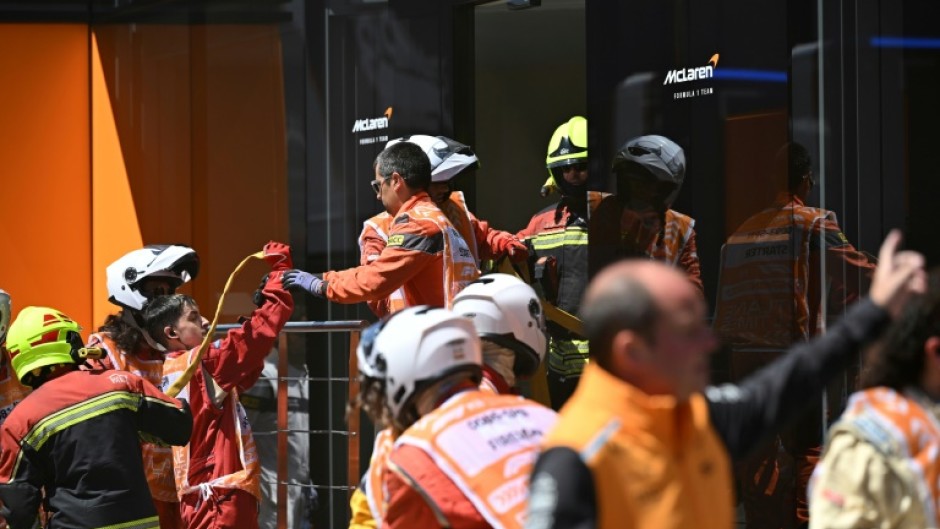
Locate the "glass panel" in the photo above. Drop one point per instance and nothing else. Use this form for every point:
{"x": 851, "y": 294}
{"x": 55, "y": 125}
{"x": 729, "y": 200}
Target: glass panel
{"x": 757, "y": 109}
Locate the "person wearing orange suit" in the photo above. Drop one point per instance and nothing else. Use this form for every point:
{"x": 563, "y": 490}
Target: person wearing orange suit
{"x": 425, "y": 256}
{"x": 771, "y": 293}
{"x": 133, "y": 280}
{"x": 644, "y": 442}
{"x": 508, "y": 318}
{"x": 449, "y": 159}
{"x": 217, "y": 473}
{"x": 464, "y": 455}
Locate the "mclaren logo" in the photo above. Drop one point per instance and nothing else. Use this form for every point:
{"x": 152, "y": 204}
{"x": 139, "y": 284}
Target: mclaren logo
{"x": 683, "y": 75}
{"x": 362, "y": 125}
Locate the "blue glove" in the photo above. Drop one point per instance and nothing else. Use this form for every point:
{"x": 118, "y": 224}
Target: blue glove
{"x": 297, "y": 278}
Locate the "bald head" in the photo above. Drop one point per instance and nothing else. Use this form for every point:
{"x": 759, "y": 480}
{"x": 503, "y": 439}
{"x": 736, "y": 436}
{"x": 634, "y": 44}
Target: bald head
{"x": 646, "y": 324}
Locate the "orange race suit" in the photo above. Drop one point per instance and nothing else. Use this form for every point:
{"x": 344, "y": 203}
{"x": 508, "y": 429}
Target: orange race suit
{"x": 771, "y": 295}
{"x": 146, "y": 363}
{"x": 425, "y": 257}
{"x": 72, "y": 446}
{"x": 217, "y": 473}
{"x": 484, "y": 242}
{"x": 466, "y": 464}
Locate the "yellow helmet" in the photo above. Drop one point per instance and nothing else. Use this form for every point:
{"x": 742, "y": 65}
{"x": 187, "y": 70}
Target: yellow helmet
{"x": 41, "y": 337}
{"x": 568, "y": 146}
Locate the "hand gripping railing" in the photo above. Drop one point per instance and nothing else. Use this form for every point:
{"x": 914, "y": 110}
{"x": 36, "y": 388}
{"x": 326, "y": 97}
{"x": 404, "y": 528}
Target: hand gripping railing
{"x": 354, "y": 328}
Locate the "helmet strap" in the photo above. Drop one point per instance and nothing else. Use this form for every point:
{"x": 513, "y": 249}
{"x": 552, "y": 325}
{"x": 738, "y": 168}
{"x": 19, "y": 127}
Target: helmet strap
{"x": 130, "y": 317}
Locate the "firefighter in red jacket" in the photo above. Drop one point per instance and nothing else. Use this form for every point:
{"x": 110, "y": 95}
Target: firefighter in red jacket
{"x": 425, "y": 257}
{"x": 217, "y": 472}
{"x": 464, "y": 456}
{"x": 449, "y": 159}
{"x": 72, "y": 444}
{"x": 134, "y": 280}
{"x": 557, "y": 239}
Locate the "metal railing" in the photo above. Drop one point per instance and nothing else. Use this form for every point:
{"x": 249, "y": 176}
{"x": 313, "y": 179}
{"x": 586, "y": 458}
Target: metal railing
{"x": 354, "y": 328}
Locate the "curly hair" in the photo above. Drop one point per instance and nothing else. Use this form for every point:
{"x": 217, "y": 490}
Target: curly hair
{"x": 897, "y": 361}
{"x": 128, "y": 338}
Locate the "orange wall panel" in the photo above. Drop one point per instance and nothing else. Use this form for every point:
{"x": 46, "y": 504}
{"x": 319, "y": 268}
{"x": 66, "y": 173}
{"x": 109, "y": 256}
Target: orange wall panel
{"x": 44, "y": 145}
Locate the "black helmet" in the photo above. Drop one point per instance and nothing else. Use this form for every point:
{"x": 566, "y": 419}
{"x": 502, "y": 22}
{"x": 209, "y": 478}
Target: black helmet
{"x": 655, "y": 158}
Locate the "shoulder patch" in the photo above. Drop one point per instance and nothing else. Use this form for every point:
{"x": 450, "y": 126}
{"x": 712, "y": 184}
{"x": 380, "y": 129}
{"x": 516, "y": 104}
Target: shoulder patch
{"x": 396, "y": 240}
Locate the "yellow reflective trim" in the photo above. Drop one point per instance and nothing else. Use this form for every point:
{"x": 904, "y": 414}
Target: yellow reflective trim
{"x": 89, "y": 409}
{"x": 574, "y": 237}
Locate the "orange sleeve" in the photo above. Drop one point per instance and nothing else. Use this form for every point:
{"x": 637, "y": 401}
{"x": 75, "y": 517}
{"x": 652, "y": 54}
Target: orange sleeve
{"x": 371, "y": 245}
{"x": 378, "y": 279}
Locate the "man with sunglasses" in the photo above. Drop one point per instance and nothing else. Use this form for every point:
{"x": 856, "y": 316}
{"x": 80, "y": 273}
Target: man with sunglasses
{"x": 425, "y": 259}
{"x": 449, "y": 159}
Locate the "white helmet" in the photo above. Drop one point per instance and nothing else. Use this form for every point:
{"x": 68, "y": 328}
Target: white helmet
{"x": 448, "y": 157}
{"x": 422, "y": 345}
{"x": 179, "y": 264}
{"x": 507, "y": 311}
{"x": 5, "y": 309}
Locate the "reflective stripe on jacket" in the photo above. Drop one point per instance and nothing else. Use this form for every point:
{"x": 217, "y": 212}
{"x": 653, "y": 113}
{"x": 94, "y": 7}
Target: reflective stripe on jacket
{"x": 158, "y": 460}
{"x": 424, "y": 256}
{"x": 769, "y": 293}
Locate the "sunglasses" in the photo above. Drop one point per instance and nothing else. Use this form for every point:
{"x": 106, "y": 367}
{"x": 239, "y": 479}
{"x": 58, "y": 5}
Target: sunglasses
{"x": 377, "y": 185}
{"x": 574, "y": 167}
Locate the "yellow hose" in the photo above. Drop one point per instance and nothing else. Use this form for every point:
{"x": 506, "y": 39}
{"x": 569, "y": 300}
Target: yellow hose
{"x": 188, "y": 374}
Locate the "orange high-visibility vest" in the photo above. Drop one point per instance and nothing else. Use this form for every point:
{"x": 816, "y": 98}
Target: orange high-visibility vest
{"x": 374, "y": 487}
{"x": 668, "y": 244}
{"x": 460, "y": 268}
{"x": 247, "y": 478}
{"x": 763, "y": 296}
{"x": 487, "y": 445}
{"x": 158, "y": 460}
{"x": 455, "y": 207}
